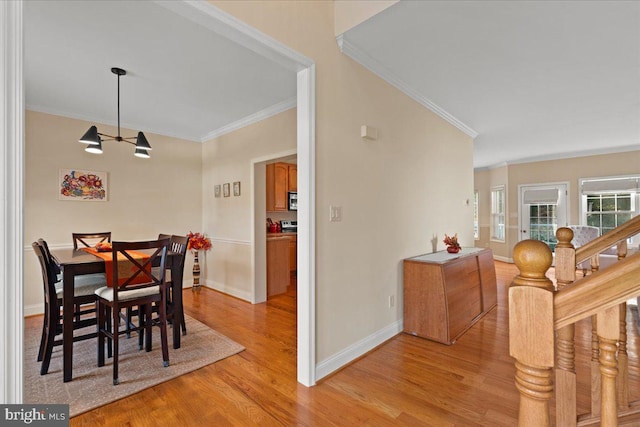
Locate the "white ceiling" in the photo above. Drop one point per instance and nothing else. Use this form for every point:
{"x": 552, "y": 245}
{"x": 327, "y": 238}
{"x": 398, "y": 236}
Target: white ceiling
{"x": 533, "y": 79}
{"x": 529, "y": 79}
{"x": 183, "y": 79}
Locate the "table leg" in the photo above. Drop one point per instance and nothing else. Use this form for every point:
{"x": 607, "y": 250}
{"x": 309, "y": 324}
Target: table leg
{"x": 67, "y": 323}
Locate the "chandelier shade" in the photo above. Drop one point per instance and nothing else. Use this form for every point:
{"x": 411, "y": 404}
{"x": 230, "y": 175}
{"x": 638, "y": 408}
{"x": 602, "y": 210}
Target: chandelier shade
{"x": 94, "y": 139}
{"x": 142, "y": 143}
{"x": 91, "y": 137}
{"x": 94, "y": 148}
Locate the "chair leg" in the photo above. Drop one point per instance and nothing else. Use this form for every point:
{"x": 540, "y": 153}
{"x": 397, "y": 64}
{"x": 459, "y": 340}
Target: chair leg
{"x": 48, "y": 344}
{"x": 162, "y": 314}
{"x": 101, "y": 328}
{"x": 45, "y": 327}
{"x": 116, "y": 336}
{"x": 182, "y": 321}
{"x": 141, "y": 332}
{"x": 107, "y": 317}
{"x": 148, "y": 324}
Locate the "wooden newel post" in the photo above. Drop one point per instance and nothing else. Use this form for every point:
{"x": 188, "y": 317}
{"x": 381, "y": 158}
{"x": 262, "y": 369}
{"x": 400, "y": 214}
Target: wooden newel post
{"x": 531, "y": 332}
{"x": 566, "y": 381}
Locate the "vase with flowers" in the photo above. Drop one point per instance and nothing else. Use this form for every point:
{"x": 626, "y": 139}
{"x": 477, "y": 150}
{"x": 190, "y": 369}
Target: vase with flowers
{"x": 197, "y": 242}
{"x": 453, "y": 247}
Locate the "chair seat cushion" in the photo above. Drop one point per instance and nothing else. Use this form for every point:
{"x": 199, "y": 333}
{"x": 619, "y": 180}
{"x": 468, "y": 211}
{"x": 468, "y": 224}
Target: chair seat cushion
{"x": 85, "y": 284}
{"x": 107, "y": 293}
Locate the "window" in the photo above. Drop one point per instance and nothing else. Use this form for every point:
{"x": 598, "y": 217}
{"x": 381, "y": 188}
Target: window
{"x": 543, "y": 220}
{"x": 476, "y": 227}
{"x": 609, "y": 210}
{"x": 607, "y": 203}
{"x": 497, "y": 213}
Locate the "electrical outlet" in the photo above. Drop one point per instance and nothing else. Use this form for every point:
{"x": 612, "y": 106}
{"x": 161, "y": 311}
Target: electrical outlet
{"x": 392, "y": 301}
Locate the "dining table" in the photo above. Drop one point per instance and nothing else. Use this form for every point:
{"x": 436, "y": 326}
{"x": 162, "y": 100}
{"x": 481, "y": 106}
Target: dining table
{"x": 76, "y": 262}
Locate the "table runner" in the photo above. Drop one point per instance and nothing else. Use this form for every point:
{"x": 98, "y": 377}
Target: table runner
{"x": 125, "y": 267}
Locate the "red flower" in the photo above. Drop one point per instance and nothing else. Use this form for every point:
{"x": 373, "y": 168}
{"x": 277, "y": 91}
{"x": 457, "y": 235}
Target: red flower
{"x": 198, "y": 241}
{"x": 452, "y": 241}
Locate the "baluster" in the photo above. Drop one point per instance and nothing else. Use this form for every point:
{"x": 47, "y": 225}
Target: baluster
{"x": 608, "y": 335}
{"x": 622, "y": 249}
{"x": 531, "y": 333}
{"x": 623, "y": 361}
{"x": 595, "y": 368}
{"x": 566, "y": 403}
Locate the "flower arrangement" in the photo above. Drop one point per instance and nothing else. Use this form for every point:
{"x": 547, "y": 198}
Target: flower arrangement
{"x": 198, "y": 241}
{"x": 452, "y": 242}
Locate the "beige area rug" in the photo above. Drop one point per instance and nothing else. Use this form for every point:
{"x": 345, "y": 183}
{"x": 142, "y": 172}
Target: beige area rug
{"x": 92, "y": 386}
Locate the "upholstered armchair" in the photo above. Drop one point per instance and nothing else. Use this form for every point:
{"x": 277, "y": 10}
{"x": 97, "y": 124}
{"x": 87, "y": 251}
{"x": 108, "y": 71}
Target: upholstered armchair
{"x": 583, "y": 234}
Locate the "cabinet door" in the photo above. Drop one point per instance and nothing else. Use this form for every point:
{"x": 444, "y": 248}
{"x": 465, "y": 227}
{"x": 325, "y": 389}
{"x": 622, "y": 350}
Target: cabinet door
{"x": 293, "y": 177}
{"x": 293, "y": 254}
{"x": 281, "y": 172}
{"x": 277, "y": 186}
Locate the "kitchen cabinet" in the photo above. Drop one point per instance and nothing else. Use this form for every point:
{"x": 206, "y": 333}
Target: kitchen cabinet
{"x": 293, "y": 177}
{"x": 293, "y": 254}
{"x": 278, "y": 272}
{"x": 445, "y": 294}
{"x": 281, "y": 178}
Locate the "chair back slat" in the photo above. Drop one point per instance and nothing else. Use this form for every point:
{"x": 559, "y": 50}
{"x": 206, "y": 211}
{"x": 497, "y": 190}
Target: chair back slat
{"x": 88, "y": 240}
{"x": 139, "y": 268}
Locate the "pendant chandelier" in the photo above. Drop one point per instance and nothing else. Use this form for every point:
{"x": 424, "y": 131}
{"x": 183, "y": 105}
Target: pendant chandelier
{"x": 94, "y": 139}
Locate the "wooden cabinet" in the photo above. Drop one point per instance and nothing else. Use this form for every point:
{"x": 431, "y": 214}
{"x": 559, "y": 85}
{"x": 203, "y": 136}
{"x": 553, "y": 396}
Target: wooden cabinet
{"x": 281, "y": 178}
{"x": 293, "y": 177}
{"x": 445, "y": 294}
{"x": 293, "y": 254}
{"x": 278, "y": 273}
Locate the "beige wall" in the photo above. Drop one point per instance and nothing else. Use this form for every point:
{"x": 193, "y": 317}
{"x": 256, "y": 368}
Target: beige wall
{"x": 553, "y": 171}
{"x": 145, "y": 196}
{"x": 397, "y": 193}
{"x": 228, "y": 158}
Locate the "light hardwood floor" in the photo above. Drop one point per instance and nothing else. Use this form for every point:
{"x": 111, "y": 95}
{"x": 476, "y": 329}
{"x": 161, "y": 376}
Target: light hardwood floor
{"x": 407, "y": 381}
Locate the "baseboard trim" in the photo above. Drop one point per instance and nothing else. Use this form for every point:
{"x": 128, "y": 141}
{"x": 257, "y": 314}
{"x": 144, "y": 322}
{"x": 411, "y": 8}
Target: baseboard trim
{"x": 503, "y": 259}
{"x": 221, "y": 287}
{"x": 357, "y": 350}
{"x": 33, "y": 309}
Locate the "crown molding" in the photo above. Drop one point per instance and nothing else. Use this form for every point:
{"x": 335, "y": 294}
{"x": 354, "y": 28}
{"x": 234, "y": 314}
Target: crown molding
{"x": 94, "y": 120}
{"x": 381, "y": 71}
{"x": 202, "y": 12}
{"x": 278, "y": 108}
{"x": 562, "y": 156}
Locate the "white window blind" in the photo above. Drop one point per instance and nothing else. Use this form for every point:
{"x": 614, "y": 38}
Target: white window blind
{"x": 611, "y": 185}
{"x": 541, "y": 197}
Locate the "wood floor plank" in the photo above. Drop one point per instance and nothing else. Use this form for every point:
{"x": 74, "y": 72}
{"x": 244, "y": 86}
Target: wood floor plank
{"x": 408, "y": 381}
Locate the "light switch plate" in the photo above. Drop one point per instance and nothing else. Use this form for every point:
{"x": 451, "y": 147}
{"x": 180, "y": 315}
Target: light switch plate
{"x": 335, "y": 213}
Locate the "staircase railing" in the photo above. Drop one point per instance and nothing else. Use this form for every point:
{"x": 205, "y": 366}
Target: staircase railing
{"x": 542, "y": 321}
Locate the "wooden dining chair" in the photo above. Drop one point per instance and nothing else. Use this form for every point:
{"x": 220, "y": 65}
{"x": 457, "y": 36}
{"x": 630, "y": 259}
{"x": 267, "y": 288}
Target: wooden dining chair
{"x": 125, "y": 292}
{"x": 84, "y": 293}
{"x": 88, "y": 240}
{"x": 178, "y": 245}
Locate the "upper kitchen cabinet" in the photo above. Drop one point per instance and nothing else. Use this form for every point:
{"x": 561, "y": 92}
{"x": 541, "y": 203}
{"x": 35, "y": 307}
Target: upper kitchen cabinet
{"x": 281, "y": 179}
{"x": 293, "y": 177}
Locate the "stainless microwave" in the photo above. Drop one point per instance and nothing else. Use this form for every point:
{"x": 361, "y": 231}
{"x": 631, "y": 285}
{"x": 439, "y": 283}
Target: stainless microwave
{"x": 293, "y": 201}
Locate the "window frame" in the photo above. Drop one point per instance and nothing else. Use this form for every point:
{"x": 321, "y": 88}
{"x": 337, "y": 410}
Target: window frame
{"x": 498, "y": 218}
{"x": 476, "y": 216}
{"x": 634, "y": 195}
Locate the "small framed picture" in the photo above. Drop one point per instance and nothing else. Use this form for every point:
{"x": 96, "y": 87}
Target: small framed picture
{"x": 226, "y": 190}
{"x": 216, "y": 190}
{"x": 236, "y": 188}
